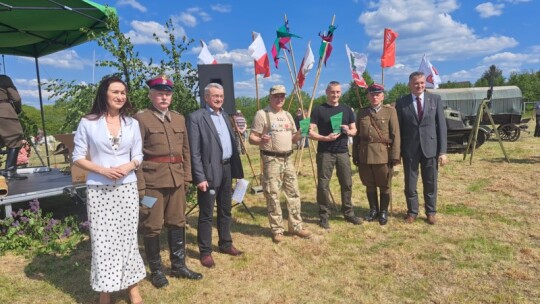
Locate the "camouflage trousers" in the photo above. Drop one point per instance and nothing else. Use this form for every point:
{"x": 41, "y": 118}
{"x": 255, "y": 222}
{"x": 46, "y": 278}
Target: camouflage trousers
{"x": 279, "y": 177}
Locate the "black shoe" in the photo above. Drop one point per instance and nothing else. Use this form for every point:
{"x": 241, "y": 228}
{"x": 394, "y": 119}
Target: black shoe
{"x": 323, "y": 222}
{"x": 371, "y": 215}
{"x": 186, "y": 273}
{"x": 177, "y": 254}
{"x": 383, "y": 217}
{"x": 355, "y": 220}
{"x": 158, "y": 279}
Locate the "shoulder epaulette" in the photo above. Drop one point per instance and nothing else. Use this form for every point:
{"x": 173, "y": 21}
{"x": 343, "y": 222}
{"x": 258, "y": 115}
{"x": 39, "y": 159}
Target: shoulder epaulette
{"x": 141, "y": 111}
{"x": 387, "y": 106}
{"x": 175, "y": 112}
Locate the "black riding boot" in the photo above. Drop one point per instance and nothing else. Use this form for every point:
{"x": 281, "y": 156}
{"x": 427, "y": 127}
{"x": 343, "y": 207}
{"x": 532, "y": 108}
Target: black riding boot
{"x": 151, "y": 247}
{"x": 11, "y": 165}
{"x": 383, "y": 215}
{"x": 373, "y": 206}
{"x": 177, "y": 248}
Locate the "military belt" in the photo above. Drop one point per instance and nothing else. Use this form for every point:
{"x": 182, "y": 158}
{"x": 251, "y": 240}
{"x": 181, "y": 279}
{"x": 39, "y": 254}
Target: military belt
{"x": 276, "y": 154}
{"x": 376, "y": 140}
{"x": 165, "y": 159}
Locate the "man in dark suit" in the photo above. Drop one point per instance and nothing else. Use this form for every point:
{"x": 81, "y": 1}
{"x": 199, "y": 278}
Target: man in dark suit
{"x": 215, "y": 162}
{"x": 423, "y": 142}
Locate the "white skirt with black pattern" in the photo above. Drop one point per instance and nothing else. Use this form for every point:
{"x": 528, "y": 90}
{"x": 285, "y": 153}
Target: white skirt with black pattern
{"x": 113, "y": 211}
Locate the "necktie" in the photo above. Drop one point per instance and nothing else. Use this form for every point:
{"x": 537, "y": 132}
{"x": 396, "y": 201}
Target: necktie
{"x": 419, "y": 108}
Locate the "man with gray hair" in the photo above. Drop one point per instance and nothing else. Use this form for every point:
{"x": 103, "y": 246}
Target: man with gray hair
{"x": 214, "y": 163}
{"x": 274, "y": 132}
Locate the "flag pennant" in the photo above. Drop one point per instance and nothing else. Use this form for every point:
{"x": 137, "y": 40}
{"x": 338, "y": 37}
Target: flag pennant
{"x": 432, "y": 75}
{"x": 205, "y": 57}
{"x": 307, "y": 64}
{"x": 283, "y": 37}
{"x": 257, "y": 51}
{"x": 388, "y": 58}
{"x": 358, "y": 63}
{"x": 326, "y": 43}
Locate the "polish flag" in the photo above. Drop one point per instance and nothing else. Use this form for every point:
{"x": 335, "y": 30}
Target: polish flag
{"x": 358, "y": 63}
{"x": 432, "y": 75}
{"x": 257, "y": 51}
{"x": 205, "y": 57}
{"x": 306, "y": 66}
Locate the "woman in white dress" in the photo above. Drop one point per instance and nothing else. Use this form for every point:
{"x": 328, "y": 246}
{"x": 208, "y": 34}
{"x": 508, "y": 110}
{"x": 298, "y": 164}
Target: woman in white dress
{"x": 108, "y": 144}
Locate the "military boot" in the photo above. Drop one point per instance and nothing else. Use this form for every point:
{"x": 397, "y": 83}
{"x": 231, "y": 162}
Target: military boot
{"x": 11, "y": 165}
{"x": 151, "y": 248}
{"x": 383, "y": 215}
{"x": 177, "y": 251}
{"x": 373, "y": 206}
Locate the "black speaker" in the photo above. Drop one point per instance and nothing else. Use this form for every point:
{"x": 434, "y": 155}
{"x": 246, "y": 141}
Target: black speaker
{"x": 222, "y": 74}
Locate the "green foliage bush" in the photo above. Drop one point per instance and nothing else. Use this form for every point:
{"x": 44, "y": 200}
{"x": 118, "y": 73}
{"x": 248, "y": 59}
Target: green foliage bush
{"x": 29, "y": 232}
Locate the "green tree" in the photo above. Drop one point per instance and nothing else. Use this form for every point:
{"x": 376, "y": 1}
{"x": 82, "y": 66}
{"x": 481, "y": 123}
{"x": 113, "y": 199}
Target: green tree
{"x": 396, "y": 92}
{"x": 493, "y": 73}
{"x": 529, "y": 83}
{"x": 129, "y": 66}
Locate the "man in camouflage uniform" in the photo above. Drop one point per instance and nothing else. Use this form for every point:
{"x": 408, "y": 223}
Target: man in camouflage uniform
{"x": 274, "y": 132}
{"x": 11, "y": 132}
{"x": 376, "y": 149}
{"x": 165, "y": 174}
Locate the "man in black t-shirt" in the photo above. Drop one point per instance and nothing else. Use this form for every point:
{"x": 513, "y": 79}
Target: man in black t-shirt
{"x": 333, "y": 151}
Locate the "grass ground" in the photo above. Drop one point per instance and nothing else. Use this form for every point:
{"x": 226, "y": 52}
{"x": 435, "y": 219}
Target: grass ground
{"x": 485, "y": 248}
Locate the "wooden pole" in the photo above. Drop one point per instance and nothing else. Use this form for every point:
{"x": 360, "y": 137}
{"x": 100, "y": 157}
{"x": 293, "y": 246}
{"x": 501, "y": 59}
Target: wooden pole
{"x": 256, "y": 78}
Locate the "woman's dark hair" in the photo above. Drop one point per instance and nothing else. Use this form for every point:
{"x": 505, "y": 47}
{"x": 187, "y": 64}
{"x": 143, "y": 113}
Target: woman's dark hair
{"x": 100, "y": 105}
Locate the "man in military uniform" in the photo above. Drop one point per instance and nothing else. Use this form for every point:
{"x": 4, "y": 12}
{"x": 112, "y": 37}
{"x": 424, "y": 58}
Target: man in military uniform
{"x": 11, "y": 132}
{"x": 274, "y": 132}
{"x": 376, "y": 149}
{"x": 164, "y": 174}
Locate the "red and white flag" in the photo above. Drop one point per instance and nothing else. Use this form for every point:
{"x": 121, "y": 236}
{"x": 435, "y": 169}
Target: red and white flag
{"x": 432, "y": 75}
{"x": 388, "y": 58}
{"x": 257, "y": 51}
{"x": 358, "y": 63}
{"x": 306, "y": 66}
{"x": 205, "y": 57}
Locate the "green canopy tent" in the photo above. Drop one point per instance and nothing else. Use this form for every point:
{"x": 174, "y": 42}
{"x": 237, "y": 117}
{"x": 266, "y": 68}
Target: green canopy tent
{"x": 35, "y": 28}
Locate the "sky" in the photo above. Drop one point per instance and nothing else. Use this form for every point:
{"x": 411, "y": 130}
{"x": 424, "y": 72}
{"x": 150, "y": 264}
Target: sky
{"x": 460, "y": 38}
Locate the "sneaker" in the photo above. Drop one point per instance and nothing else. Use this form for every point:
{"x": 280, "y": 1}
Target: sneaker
{"x": 355, "y": 220}
{"x": 303, "y": 233}
{"x": 278, "y": 238}
{"x": 324, "y": 223}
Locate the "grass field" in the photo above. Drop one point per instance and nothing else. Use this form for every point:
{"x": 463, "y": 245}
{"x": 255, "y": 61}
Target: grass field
{"x": 484, "y": 249}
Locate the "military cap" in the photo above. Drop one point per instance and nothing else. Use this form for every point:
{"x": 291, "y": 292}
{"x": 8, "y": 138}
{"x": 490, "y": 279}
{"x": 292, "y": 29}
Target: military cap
{"x": 278, "y": 89}
{"x": 161, "y": 83}
{"x": 375, "y": 88}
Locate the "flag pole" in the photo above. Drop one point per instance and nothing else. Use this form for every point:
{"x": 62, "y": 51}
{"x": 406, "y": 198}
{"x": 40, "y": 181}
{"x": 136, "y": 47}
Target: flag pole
{"x": 382, "y": 76}
{"x": 319, "y": 68}
{"x": 294, "y": 70}
{"x": 256, "y": 78}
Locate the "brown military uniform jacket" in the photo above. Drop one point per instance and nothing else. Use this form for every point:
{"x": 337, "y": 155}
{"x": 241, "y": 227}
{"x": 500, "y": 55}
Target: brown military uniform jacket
{"x": 368, "y": 146}
{"x": 163, "y": 137}
{"x": 11, "y": 132}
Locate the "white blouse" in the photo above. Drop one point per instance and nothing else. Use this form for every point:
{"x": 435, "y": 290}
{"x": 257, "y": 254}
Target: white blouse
{"x": 92, "y": 139}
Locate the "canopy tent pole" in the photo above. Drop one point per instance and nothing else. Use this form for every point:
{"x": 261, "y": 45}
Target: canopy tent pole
{"x": 42, "y": 115}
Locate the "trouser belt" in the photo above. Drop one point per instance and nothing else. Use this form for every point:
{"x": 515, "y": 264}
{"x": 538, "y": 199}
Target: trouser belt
{"x": 276, "y": 154}
{"x": 165, "y": 159}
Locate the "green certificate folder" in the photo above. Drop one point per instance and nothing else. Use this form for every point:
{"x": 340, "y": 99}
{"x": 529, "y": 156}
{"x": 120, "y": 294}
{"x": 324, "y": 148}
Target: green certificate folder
{"x": 304, "y": 126}
{"x": 336, "y": 122}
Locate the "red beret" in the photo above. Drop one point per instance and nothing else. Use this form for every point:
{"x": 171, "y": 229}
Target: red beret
{"x": 161, "y": 83}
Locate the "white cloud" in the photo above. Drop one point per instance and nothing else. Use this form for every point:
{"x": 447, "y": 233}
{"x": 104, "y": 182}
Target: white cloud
{"x": 430, "y": 30}
{"x": 489, "y": 9}
{"x": 143, "y": 31}
{"x": 67, "y": 59}
{"x": 221, "y": 8}
{"x": 188, "y": 19}
{"x": 133, "y": 3}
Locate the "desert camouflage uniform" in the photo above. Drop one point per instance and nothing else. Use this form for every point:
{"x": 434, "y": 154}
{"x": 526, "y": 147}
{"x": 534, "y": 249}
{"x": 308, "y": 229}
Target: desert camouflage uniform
{"x": 279, "y": 174}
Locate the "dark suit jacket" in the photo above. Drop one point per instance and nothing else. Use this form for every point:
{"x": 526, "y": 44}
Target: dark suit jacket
{"x": 430, "y": 133}
{"x": 206, "y": 149}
